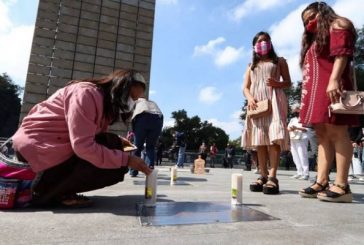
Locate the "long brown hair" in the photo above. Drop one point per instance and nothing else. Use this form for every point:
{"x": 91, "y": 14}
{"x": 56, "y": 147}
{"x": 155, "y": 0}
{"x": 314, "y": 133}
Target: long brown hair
{"x": 326, "y": 15}
{"x": 116, "y": 91}
{"x": 256, "y": 58}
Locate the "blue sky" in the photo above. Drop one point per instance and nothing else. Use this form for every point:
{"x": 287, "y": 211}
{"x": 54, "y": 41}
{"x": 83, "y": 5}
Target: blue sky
{"x": 201, "y": 49}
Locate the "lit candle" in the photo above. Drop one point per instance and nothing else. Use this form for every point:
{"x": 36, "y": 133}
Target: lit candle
{"x": 151, "y": 189}
{"x": 236, "y": 189}
{"x": 173, "y": 175}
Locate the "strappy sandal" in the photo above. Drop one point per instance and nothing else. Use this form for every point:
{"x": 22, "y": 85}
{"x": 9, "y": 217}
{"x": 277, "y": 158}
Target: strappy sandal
{"x": 330, "y": 196}
{"x": 257, "y": 186}
{"x": 271, "y": 187}
{"x": 309, "y": 192}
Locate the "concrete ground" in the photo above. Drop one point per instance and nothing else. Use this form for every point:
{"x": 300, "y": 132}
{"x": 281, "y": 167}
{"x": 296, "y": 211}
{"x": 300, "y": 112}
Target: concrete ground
{"x": 113, "y": 218}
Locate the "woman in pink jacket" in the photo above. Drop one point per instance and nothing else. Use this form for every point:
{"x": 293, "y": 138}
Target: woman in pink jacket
{"x": 65, "y": 142}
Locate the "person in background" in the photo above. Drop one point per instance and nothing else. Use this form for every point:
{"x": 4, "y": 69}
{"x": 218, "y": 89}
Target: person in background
{"x": 268, "y": 134}
{"x": 299, "y": 145}
{"x": 147, "y": 123}
{"x": 65, "y": 142}
{"x": 328, "y": 44}
{"x": 213, "y": 154}
{"x": 160, "y": 150}
{"x": 203, "y": 151}
{"x": 181, "y": 144}
{"x": 229, "y": 155}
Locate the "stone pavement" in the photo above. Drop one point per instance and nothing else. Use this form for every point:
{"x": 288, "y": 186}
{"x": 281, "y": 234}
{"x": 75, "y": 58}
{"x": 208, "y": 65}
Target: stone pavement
{"x": 113, "y": 218}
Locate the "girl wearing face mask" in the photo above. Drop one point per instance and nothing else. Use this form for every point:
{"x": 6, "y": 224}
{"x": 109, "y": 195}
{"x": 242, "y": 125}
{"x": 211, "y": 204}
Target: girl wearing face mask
{"x": 64, "y": 138}
{"x": 265, "y": 78}
{"x": 327, "y": 50}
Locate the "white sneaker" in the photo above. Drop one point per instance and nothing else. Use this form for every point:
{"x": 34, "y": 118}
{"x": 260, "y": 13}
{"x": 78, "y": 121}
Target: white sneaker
{"x": 296, "y": 176}
{"x": 304, "y": 177}
{"x": 256, "y": 171}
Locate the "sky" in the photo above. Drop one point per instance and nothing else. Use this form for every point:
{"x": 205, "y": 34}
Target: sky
{"x": 201, "y": 49}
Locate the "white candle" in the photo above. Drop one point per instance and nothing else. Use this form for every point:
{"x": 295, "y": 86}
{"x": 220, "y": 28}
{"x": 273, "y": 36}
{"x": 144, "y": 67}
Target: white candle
{"x": 236, "y": 189}
{"x": 173, "y": 175}
{"x": 151, "y": 189}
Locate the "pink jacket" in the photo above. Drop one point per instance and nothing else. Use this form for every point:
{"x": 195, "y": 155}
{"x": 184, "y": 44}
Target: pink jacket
{"x": 66, "y": 124}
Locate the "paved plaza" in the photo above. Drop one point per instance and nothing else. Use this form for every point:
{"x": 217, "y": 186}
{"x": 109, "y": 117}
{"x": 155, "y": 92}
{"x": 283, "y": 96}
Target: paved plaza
{"x": 114, "y": 219}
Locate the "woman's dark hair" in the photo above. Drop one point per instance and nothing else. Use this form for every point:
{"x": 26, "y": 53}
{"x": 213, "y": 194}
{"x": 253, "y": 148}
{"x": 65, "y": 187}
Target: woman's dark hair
{"x": 326, "y": 15}
{"x": 116, "y": 90}
{"x": 256, "y": 58}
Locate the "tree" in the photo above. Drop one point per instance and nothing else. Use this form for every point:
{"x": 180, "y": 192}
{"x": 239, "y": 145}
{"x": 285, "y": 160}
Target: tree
{"x": 195, "y": 131}
{"x": 10, "y": 105}
{"x": 359, "y": 58}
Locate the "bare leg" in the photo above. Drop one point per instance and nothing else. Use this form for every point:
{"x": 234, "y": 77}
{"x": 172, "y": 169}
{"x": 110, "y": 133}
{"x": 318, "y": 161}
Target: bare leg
{"x": 274, "y": 156}
{"x": 343, "y": 152}
{"x": 262, "y": 158}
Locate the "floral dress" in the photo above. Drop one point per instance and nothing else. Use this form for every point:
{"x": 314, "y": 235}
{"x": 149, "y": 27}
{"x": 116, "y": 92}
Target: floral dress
{"x": 316, "y": 75}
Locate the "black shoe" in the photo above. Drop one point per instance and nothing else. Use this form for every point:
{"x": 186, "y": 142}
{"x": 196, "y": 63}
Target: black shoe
{"x": 271, "y": 187}
{"x": 309, "y": 192}
{"x": 257, "y": 186}
{"x": 330, "y": 196}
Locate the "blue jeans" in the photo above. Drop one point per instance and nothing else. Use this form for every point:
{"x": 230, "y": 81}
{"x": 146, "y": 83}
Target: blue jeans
{"x": 147, "y": 128}
{"x": 181, "y": 156}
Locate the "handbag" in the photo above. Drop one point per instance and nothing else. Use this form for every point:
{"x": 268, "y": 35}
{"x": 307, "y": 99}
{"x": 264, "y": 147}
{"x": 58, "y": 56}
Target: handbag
{"x": 351, "y": 102}
{"x": 264, "y": 108}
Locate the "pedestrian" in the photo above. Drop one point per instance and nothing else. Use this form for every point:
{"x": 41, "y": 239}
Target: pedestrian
{"x": 230, "y": 155}
{"x": 299, "y": 145}
{"x": 181, "y": 144}
{"x": 268, "y": 134}
{"x": 203, "y": 151}
{"x": 213, "y": 154}
{"x": 328, "y": 44}
{"x": 160, "y": 150}
{"x": 147, "y": 123}
{"x": 65, "y": 142}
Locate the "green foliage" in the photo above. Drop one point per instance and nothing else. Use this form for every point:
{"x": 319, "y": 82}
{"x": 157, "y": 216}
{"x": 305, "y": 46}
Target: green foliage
{"x": 195, "y": 131}
{"x": 10, "y": 105}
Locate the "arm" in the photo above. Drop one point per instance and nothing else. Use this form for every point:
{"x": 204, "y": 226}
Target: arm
{"x": 246, "y": 90}
{"x": 286, "y": 82}
{"x": 334, "y": 89}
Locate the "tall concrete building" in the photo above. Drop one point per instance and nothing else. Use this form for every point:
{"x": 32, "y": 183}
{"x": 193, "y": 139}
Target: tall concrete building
{"x": 87, "y": 38}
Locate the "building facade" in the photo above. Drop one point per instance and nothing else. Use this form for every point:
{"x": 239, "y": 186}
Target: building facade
{"x": 76, "y": 39}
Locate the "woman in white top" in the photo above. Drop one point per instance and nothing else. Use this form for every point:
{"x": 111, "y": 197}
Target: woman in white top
{"x": 147, "y": 123}
{"x": 299, "y": 145}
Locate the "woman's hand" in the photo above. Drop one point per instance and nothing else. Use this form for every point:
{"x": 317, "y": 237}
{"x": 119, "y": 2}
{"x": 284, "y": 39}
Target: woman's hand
{"x": 125, "y": 142}
{"x": 333, "y": 91}
{"x": 138, "y": 164}
{"x": 252, "y": 104}
{"x": 273, "y": 83}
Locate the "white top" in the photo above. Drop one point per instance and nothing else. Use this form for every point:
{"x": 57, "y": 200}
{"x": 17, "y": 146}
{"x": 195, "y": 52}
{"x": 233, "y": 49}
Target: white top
{"x": 144, "y": 105}
{"x": 294, "y": 122}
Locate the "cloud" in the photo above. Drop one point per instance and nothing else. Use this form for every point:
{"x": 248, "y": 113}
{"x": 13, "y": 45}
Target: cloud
{"x": 15, "y": 45}
{"x": 233, "y": 128}
{"x": 287, "y": 33}
{"x": 222, "y": 56}
{"x": 152, "y": 92}
{"x": 352, "y": 9}
{"x": 168, "y": 2}
{"x": 289, "y": 45}
{"x": 209, "y": 48}
{"x": 168, "y": 123}
{"x": 209, "y": 95}
{"x": 253, "y": 6}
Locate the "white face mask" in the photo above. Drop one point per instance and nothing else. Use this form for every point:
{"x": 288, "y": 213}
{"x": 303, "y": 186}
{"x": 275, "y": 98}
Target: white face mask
{"x": 131, "y": 103}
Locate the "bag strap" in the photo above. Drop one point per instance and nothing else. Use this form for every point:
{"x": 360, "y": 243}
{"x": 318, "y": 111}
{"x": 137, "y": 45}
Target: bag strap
{"x": 355, "y": 85}
{"x": 5, "y": 142}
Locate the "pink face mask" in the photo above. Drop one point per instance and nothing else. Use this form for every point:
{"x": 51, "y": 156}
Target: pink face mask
{"x": 262, "y": 48}
{"x": 312, "y": 26}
